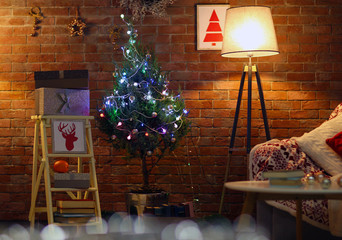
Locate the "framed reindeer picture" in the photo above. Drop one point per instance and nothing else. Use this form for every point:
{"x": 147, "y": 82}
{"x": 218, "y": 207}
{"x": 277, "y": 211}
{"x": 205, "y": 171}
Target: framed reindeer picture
{"x": 68, "y": 136}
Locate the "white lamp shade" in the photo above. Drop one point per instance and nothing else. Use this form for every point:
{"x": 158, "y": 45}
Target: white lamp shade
{"x": 249, "y": 32}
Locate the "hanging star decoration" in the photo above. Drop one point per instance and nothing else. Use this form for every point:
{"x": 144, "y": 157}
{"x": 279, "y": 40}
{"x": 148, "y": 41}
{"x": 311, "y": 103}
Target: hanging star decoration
{"x": 140, "y": 8}
{"x": 77, "y": 26}
{"x": 37, "y": 15}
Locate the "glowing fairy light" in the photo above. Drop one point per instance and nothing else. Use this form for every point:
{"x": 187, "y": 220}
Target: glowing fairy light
{"x": 185, "y": 111}
{"x": 122, "y": 16}
{"x": 102, "y": 115}
{"x": 129, "y": 32}
{"x": 175, "y": 125}
{"x": 122, "y": 80}
{"x": 129, "y": 137}
{"x": 135, "y": 84}
{"x": 163, "y": 130}
{"x": 146, "y": 134}
{"x": 119, "y": 124}
{"x": 178, "y": 118}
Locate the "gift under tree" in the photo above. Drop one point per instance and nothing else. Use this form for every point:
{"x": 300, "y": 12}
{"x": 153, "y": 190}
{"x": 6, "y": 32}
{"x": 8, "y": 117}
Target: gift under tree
{"x": 140, "y": 114}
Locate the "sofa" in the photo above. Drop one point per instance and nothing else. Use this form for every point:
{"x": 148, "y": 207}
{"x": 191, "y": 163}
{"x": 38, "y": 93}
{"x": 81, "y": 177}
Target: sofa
{"x": 314, "y": 153}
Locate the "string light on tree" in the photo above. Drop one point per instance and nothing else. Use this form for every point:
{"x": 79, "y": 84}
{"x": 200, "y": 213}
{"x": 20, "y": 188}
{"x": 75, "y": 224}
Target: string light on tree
{"x": 141, "y": 112}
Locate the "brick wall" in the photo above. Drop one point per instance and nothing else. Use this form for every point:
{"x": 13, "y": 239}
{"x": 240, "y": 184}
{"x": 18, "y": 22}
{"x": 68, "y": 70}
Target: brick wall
{"x": 301, "y": 85}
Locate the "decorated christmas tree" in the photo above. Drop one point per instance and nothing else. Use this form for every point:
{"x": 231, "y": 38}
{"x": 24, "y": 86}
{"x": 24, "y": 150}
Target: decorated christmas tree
{"x": 140, "y": 114}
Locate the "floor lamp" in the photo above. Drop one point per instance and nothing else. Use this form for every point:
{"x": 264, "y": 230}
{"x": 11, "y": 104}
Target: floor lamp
{"x": 248, "y": 32}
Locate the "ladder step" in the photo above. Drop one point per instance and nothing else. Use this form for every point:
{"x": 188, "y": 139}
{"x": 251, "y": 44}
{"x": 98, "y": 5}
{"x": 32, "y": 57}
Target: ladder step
{"x": 78, "y": 224}
{"x": 68, "y": 155}
{"x": 91, "y": 189}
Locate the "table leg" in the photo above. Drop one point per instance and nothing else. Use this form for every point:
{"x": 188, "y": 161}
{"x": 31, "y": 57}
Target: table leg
{"x": 299, "y": 219}
{"x": 247, "y": 210}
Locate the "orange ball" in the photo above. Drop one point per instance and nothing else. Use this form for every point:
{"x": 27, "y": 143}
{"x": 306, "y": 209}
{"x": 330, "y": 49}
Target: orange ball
{"x": 61, "y": 166}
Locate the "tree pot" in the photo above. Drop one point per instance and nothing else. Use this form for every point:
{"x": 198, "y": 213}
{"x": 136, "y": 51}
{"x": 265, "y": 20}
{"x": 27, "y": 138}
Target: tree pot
{"x": 137, "y": 202}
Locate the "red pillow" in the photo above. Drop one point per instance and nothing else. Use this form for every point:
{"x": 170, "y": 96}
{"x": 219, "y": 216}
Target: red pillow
{"x": 336, "y": 143}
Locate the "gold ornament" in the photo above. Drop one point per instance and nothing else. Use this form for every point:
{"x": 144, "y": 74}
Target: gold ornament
{"x": 37, "y": 15}
{"x": 326, "y": 182}
{"x": 339, "y": 181}
{"x": 114, "y": 33}
{"x": 77, "y": 26}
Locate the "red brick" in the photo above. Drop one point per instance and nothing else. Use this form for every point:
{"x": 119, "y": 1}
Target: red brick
{"x": 174, "y": 29}
{"x": 287, "y": 67}
{"x": 301, "y": 2}
{"x": 285, "y": 10}
{"x": 214, "y": 95}
{"x": 303, "y": 114}
{"x": 302, "y": 38}
{"x": 317, "y": 29}
{"x": 285, "y": 86}
{"x": 301, "y": 77}
{"x": 205, "y": 104}
{"x": 296, "y": 95}
{"x": 302, "y": 20}
{"x": 12, "y": 40}
{"x": 33, "y": 48}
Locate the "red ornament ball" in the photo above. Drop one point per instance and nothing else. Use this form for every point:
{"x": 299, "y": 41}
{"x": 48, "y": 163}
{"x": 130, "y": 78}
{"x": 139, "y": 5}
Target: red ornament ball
{"x": 61, "y": 166}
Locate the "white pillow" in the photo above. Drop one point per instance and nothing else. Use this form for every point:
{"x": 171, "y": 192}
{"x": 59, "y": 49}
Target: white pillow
{"x": 313, "y": 144}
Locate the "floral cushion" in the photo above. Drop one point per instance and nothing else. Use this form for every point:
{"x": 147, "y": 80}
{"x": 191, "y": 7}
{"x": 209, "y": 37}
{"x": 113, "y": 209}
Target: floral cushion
{"x": 286, "y": 154}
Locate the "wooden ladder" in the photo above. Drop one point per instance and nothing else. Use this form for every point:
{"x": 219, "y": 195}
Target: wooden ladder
{"x": 41, "y": 167}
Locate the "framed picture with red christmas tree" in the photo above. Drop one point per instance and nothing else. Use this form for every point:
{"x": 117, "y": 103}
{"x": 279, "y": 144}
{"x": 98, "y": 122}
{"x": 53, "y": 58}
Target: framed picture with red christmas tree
{"x": 210, "y": 19}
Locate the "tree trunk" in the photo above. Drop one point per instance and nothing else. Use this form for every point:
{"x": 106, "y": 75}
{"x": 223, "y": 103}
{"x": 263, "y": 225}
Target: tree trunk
{"x": 144, "y": 170}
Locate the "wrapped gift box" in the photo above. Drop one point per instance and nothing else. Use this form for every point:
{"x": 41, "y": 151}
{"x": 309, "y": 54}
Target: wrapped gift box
{"x": 72, "y": 180}
{"x": 61, "y": 101}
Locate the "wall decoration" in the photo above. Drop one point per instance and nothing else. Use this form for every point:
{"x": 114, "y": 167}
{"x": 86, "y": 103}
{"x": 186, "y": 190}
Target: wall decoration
{"x": 114, "y": 34}
{"x": 77, "y": 26}
{"x": 37, "y": 15}
{"x": 68, "y": 136}
{"x": 210, "y": 25}
{"x": 140, "y": 8}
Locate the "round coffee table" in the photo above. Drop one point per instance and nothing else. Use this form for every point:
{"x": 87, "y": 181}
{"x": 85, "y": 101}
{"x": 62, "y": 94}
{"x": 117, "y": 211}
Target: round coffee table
{"x": 261, "y": 190}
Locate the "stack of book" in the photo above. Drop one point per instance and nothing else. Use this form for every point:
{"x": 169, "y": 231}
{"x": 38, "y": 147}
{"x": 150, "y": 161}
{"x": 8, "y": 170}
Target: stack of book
{"x": 288, "y": 178}
{"x": 74, "y": 211}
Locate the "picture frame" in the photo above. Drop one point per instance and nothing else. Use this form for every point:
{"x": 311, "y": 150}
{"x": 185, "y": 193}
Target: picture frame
{"x": 210, "y": 20}
{"x": 68, "y": 136}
